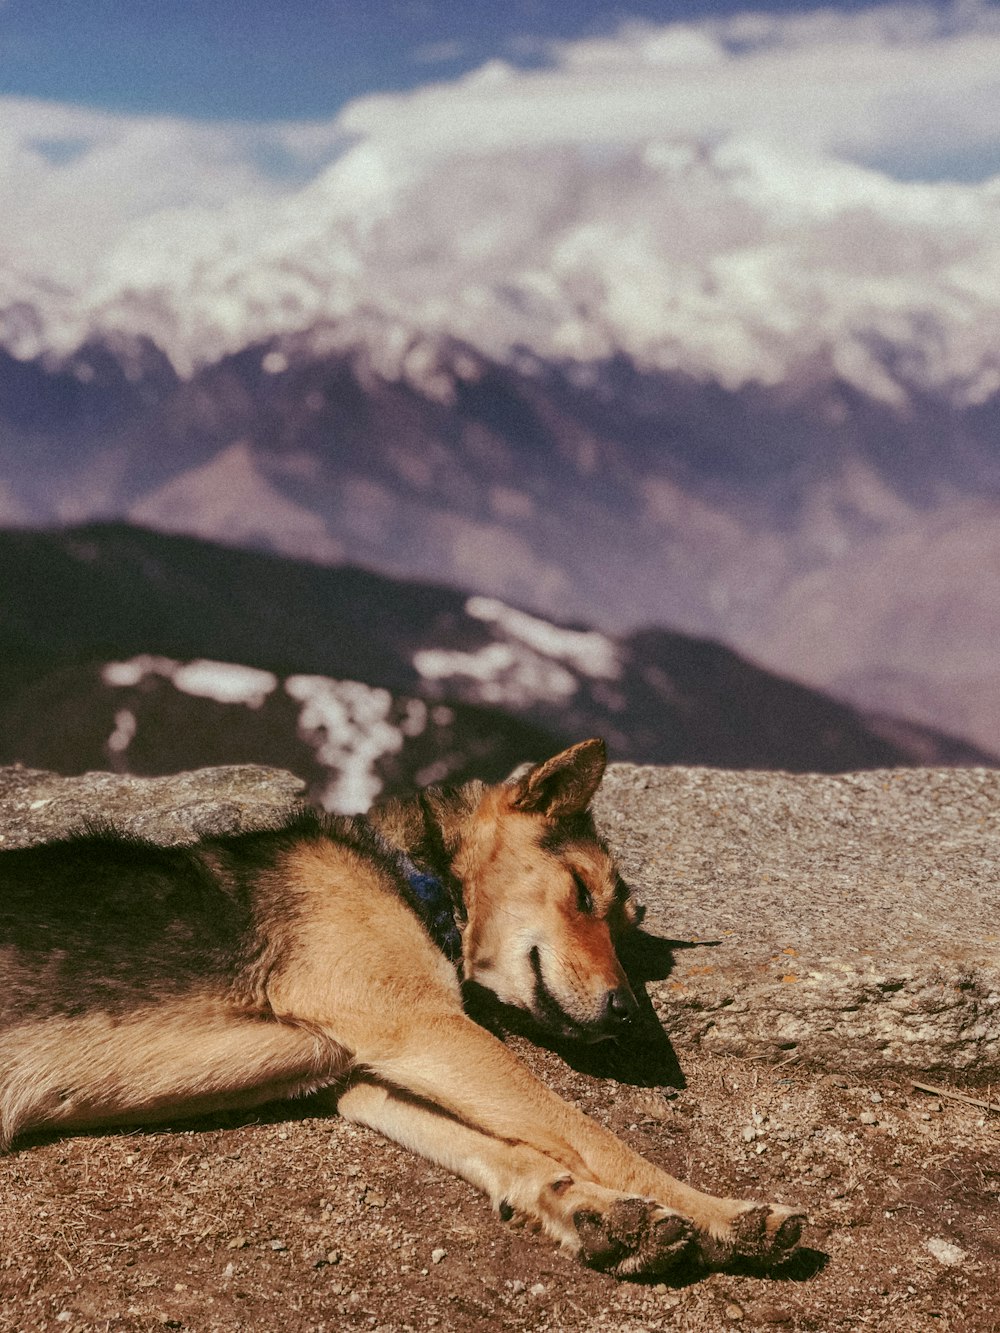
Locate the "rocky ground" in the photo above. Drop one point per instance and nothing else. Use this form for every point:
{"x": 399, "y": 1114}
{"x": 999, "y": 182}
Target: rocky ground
{"x": 292, "y": 1220}
{"x": 296, "y": 1221}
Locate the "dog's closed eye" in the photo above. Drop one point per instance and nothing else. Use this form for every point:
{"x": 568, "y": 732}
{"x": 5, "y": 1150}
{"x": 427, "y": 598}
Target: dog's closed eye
{"x": 584, "y": 898}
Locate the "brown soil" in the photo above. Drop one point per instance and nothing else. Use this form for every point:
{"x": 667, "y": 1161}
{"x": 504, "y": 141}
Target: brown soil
{"x": 293, "y": 1220}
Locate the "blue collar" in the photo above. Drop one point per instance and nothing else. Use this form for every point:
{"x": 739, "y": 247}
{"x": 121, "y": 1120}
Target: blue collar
{"x": 433, "y": 904}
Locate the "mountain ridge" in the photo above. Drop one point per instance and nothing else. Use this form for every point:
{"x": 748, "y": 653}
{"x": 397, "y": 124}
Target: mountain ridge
{"x": 736, "y": 516}
{"x": 143, "y": 649}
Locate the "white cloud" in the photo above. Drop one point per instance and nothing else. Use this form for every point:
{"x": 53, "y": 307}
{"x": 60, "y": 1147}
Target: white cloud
{"x": 892, "y": 83}
{"x": 822, "y": 82}
{"x": 75, "y": 181}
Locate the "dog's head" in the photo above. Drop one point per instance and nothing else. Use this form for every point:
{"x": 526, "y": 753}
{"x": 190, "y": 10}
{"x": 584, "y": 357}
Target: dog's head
{"x": 545, "y": 902}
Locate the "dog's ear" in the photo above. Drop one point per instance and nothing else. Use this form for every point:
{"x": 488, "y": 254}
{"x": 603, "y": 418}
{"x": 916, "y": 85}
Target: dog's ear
{"x": 564, "y": 784}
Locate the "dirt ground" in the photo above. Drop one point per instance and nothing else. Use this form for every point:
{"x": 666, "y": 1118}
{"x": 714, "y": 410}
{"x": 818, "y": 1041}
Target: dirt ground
{"x": 291, "y": 1220}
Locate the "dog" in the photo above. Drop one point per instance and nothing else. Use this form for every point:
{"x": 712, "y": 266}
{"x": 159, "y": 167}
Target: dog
{"x": 143, "y": 982}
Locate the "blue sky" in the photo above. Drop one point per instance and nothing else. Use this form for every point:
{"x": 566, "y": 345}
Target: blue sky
{"x": 253, "y": 60}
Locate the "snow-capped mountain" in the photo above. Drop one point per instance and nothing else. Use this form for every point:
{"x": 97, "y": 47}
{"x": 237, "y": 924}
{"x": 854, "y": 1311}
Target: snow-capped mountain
{"x": 148, "y": 653}
{"x": 727, "y": 262}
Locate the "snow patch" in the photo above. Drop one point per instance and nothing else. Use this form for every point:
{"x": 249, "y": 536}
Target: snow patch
{"x": 499, "y": 673}
{"x": 348, "y": 726}
{"x": 122, "y": 736}
{"x": 531, "y": 661}
{"x": 136, "y": 669}
{"x": 589, "y": 652}
{"x": 225, "y": 682}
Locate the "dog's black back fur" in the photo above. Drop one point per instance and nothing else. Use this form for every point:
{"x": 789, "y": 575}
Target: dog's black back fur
{"x": 107, "y": 920}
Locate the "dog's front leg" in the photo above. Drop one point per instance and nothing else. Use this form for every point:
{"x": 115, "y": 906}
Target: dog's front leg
{"x": 458, "y": 1066}
{"x": 605, "y": 1228}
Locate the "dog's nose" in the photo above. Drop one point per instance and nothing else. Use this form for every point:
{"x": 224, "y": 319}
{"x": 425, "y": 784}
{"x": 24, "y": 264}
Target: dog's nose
{"x": 619, "y": 1007}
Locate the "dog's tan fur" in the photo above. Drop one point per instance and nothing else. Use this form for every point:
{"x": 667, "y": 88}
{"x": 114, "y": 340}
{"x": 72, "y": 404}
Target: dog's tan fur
{"x": 345, "y": 989}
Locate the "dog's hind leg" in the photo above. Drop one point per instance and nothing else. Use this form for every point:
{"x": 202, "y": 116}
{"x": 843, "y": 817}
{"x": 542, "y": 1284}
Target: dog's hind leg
{"x": 186, "y": 1057}
{"x": 607, "y": 1229}
{"x": 460, "y": 1067}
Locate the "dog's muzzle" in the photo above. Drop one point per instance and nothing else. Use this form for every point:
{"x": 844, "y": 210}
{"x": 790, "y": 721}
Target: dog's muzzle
{"x": 617, "y": 1010}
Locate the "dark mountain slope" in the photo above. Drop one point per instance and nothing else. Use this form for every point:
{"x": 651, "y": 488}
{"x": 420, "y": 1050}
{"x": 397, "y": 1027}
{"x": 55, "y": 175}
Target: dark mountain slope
{"x": 362, "y": 682}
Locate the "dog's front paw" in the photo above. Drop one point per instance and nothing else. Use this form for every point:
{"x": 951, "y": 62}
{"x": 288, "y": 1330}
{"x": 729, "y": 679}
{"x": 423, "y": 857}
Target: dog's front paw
{"x": 764, "y": 1234}
{"x": 633, "y": 1236}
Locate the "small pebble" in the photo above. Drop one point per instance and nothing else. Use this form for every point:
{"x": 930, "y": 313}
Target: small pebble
{"x": 437, "y": 1255}
{"x": 734, "y": 1311}
{"x": 868, "y": 1118}
{"x": 538, "y": 1289}
{"x": 945, "y": 1252}
{"x": 518, "y": 1287}
{"x": 278, "y": 1245}
{"x": 875, "y": 1097}
{"x": 749, "y": 1134}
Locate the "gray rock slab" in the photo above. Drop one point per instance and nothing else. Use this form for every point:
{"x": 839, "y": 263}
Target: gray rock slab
{"x": 37, "y": 806}
{"x": 846, "y": 923}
